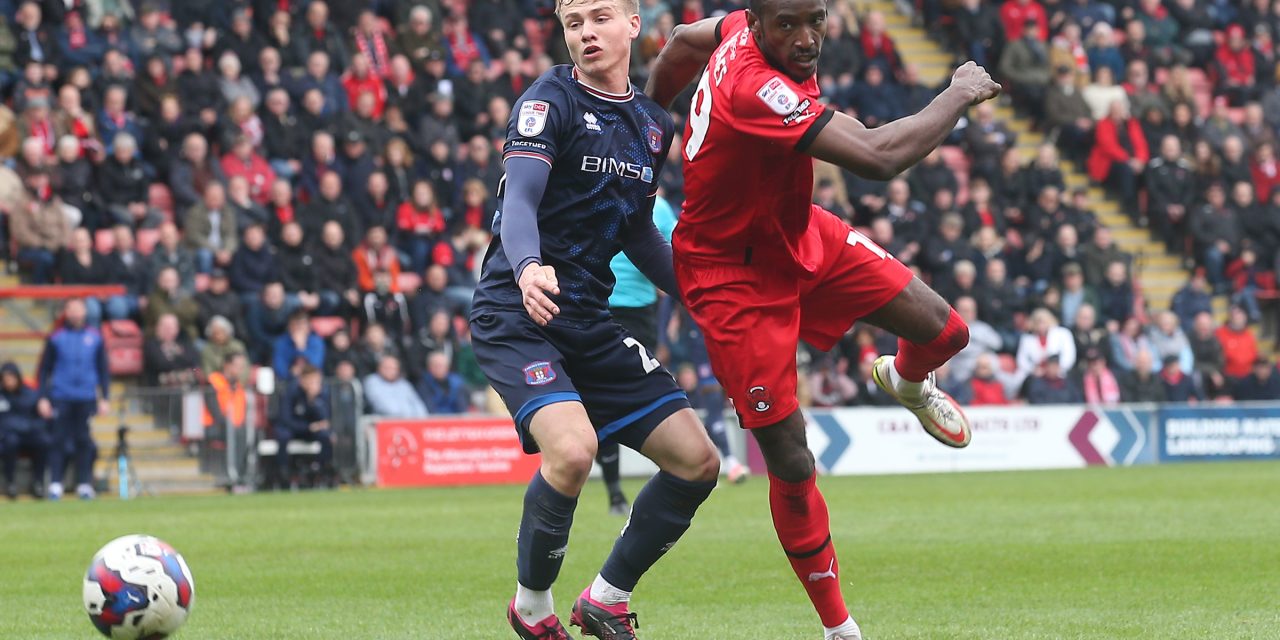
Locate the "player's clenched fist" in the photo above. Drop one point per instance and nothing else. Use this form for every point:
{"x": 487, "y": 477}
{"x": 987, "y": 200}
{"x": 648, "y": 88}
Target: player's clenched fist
{"x": 975, "y": 80}
{"x": 536, "y": 281}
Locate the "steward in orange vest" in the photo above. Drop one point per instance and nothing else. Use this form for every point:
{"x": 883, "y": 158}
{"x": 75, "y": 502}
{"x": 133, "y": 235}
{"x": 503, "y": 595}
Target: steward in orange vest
{"x": 225, "y": 402}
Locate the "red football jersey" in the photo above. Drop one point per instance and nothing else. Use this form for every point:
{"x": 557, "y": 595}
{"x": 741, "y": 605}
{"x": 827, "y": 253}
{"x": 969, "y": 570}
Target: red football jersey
{"x": 748, "y": 184}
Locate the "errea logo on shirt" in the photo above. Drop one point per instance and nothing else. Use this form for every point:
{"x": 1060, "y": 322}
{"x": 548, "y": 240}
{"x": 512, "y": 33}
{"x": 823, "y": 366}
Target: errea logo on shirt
{"x": 776, "y": 95}
{"x": 593, "y": 123}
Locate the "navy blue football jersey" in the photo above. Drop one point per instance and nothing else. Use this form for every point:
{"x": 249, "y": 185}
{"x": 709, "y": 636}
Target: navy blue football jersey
{"x": 606, "y": 152}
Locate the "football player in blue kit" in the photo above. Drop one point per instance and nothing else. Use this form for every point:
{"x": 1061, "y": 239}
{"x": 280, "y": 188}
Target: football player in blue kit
{"x": 583, "y": 153}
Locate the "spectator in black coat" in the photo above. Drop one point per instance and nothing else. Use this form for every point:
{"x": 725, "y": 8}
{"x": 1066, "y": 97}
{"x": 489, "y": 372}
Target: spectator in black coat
{"x": 123, "y": 183}
{"x": 75, "y": 184}
{"x": 1141, "y": 384}
{"x": 192, "y": 172}
{"x": 1051, "y": 386}
{"x": 198, "y": 86}
{"x": 22, "y": 430}
{"x": 1218, "y": 233}
{"x": 875, "y": 99}
{"x": 335, "y": 272}
{"x": 978, "y": 32}
{"x": 1178, "y": 386}
{"x": 947, "y": 247}
{"x": 1115, "y": 296}
{"x": 283, "y": 139}
{"x": 1263, "y": 383}
{"x": 253, "y": 265}
{"x": 80, "y": 264}
{"x": 297, "y": 268}
{"x": 330, "y": 205}
{"x": 316, "y": 33}
{"x": 431, "y": 297}
{"x": 931, "y": 176}
{"x": 1170, "y": 194}
{"x": 127, "y": 267}
{"x": 169, "y": 252}
{"x": 375, "y": 203}
{"x": 267, "y": 317}
{"x": 219, "y": 300}
{"x": 471, "y": 95}
{"x": 986, "y": 139}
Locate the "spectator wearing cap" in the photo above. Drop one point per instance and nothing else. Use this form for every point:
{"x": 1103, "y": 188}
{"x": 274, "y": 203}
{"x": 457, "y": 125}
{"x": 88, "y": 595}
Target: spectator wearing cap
{"x": 1050, "y": 384}
{"x": 219, "y": 342}
{"x": 1262, "y": 382}
{"x": 1178, "y": 385}
{"x": 1142, "y": 383}
{"x": 1119, "y": 154}
{"x": 1239, "y": 344}
{"x": 357, "y": 163}
{"x": 297, "y": 342}
{"x": 210, "y": 229}
{"x": 390, "y": 394}
{"x": 243, "y": 161}
{"x": 1234, "y": 61}
{"x": 39, "y": 227}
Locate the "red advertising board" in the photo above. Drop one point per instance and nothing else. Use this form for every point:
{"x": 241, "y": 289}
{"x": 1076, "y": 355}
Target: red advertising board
{"x": 457, "y": 450}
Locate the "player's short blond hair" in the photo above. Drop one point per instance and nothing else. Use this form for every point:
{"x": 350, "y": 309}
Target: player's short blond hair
{"x": 629, "y": 7}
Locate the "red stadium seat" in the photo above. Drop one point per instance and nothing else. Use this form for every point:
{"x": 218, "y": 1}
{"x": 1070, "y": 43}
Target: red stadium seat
{"x": 327, "y": 326}
{"x": 123, "y": 339}
{"x": 146, "y": 241}
{"x": 104, "y": 241}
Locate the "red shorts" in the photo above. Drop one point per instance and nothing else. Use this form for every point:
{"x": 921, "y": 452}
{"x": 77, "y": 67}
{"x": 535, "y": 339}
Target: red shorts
{"x": 754, "y": 315}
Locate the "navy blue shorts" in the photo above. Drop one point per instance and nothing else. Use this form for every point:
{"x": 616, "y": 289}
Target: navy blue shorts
{"x": 626, "y": 392}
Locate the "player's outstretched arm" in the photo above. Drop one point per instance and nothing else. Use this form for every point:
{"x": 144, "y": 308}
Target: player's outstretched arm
{"x": 884, "y": 152}
{"x": 526, "y": 181}
{"x": 650, "y": 252}
{"x": 679, "y": 62}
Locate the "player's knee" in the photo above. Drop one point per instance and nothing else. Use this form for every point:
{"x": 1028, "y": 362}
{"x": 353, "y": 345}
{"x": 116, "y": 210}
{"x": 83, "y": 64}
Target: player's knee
{"x": 569, "y": 463}
{"x": 704, "y": 467}
{"x": 795, "y": 465}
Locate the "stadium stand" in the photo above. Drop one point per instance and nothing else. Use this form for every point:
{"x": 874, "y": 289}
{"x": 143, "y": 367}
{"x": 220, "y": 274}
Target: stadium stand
{"x": 1131, "y": 169}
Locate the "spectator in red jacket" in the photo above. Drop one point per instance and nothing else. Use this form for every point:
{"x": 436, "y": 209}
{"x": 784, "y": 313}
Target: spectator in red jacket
{"x": 359, "y": 79}
{"x": 987, "y": 389}
{"x": 243, "y": 161}
{"x": 1235, "y": 66}
{"x": 877, "y": 45}
{"x": 1014, "y": 14}
{"x": 1119, "y": 154}
{"x": 420, "y": 223}
{"x": 1265, "y": 170}
{"x": 1239, "y": 345}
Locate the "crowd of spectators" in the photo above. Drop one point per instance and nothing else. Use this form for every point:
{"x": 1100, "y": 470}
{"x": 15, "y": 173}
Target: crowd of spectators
{"x": 249, "y": 170}
{"x": 1174, "y": 107}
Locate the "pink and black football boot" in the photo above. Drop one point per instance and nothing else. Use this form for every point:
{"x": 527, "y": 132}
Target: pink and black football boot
{"x": 606, "y": 622}
{"x": 548, "y": 629}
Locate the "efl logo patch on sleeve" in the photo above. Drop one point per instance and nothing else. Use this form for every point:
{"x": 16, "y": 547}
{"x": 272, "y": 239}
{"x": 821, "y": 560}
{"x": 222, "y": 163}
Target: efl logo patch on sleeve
{"x": 532, "y": 118}
{"x": 778, "y": 96}
{"x": 538, "y": 374}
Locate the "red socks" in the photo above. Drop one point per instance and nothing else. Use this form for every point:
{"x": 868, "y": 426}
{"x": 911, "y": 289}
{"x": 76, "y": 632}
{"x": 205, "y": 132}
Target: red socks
{"x": 915, "y": 361}
{"x": 800, "y": 518}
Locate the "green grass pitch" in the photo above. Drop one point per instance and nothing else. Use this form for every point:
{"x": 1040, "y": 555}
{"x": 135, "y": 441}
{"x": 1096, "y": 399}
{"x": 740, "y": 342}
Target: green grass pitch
{"x": 1189, "y": 551}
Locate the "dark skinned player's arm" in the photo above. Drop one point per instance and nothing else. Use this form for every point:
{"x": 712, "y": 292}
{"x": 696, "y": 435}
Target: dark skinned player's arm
{"x": 884, "y": 152}
{"x": 682, "y": 59}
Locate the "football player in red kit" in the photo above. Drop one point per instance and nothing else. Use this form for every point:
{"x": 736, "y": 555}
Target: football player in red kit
{"x": 760, "y": 267}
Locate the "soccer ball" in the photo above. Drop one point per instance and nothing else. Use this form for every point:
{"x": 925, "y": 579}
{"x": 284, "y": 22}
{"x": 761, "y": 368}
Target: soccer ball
{"x": 138, "y": 588}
